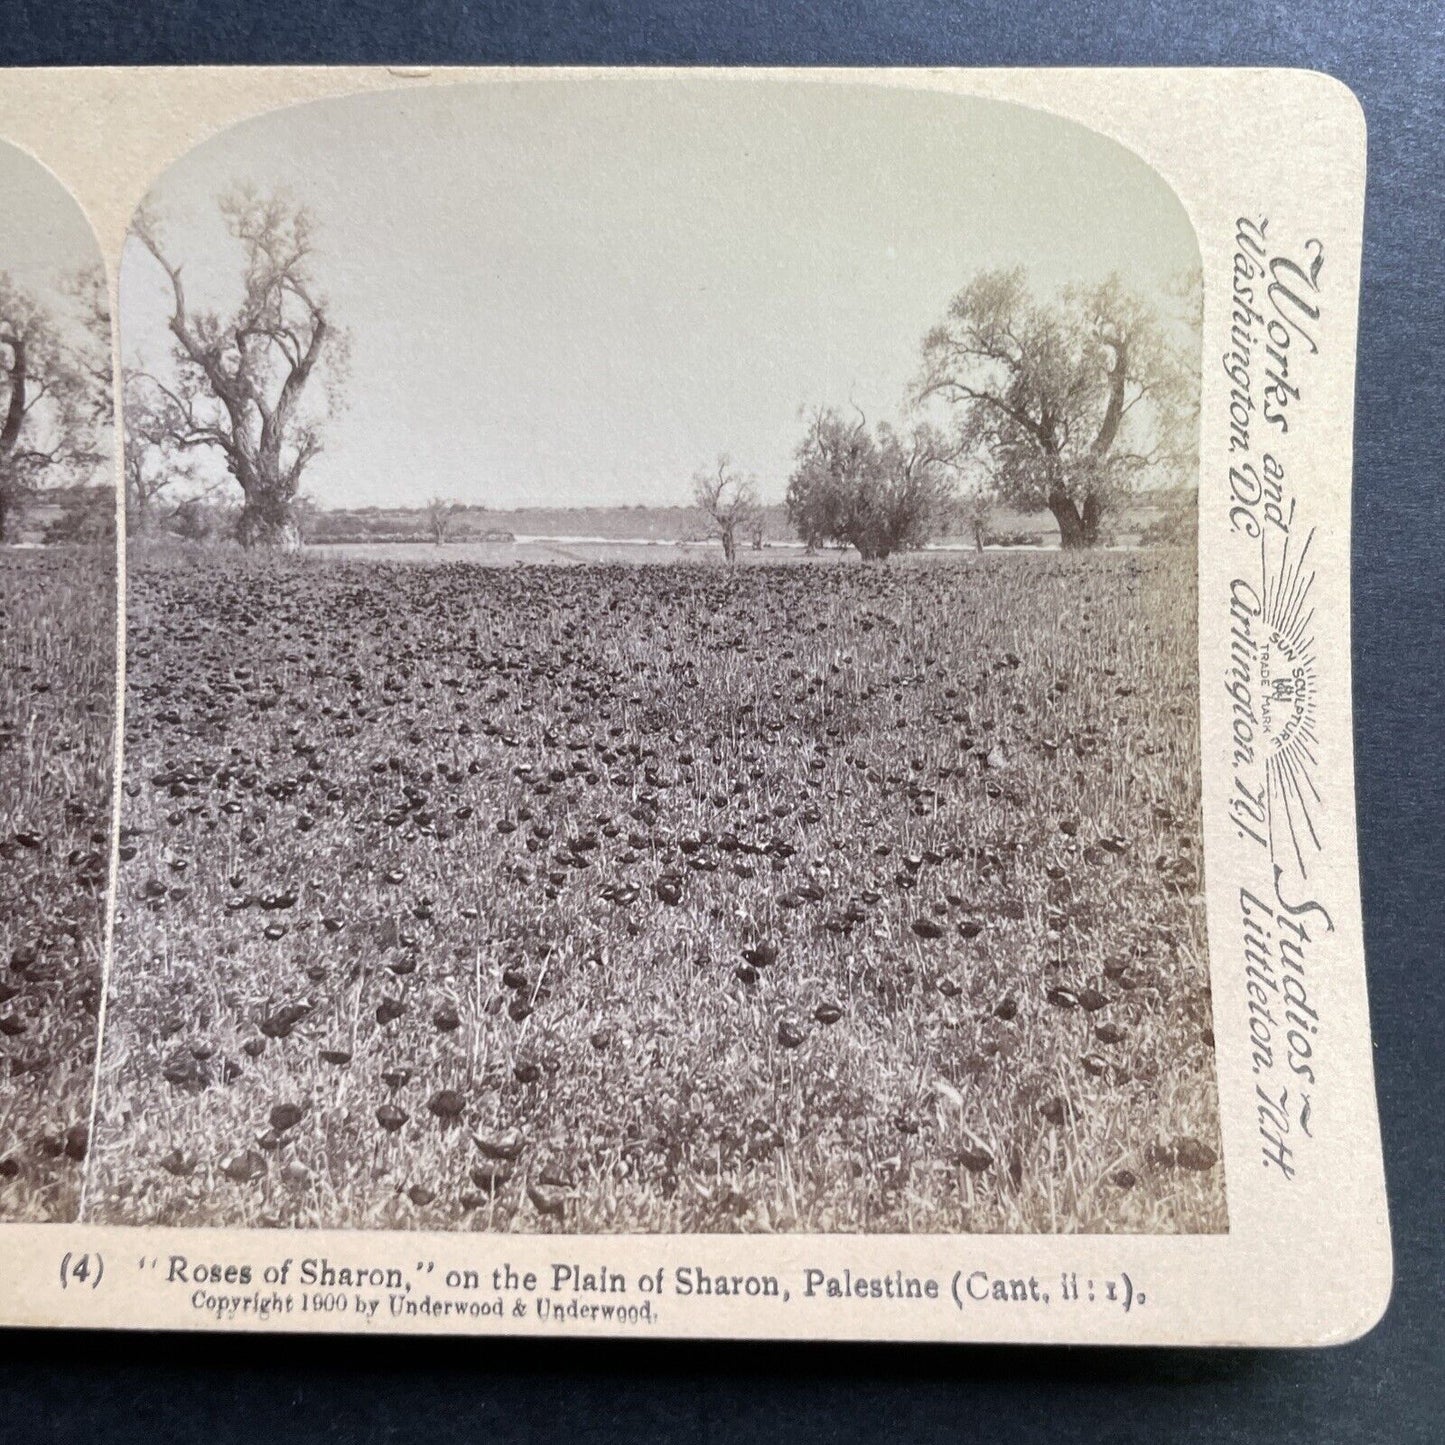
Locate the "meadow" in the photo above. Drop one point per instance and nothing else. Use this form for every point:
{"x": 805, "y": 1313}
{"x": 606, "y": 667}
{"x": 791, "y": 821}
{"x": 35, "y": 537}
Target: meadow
{"x": 661, "y": 897}
{"x": 57, "y": 723}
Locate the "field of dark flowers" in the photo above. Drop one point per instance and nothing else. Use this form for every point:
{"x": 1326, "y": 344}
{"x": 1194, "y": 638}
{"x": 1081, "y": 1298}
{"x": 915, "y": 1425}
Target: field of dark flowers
{"x": 676, "y": 898}
{"x": 57, "y": 726}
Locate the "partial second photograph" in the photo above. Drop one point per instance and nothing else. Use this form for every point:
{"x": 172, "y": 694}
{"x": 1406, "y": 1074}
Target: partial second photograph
{"x": 661, "y": 683}
{"x": 58, "y": 624}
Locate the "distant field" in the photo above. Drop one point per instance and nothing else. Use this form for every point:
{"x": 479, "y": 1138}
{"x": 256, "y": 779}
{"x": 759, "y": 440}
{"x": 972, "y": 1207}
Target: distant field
{"x": 57, "y": 720}
{"x": 667, "y": 898}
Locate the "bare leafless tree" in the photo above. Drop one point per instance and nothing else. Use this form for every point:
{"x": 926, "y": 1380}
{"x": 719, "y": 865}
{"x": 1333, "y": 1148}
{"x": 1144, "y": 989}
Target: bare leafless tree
{"x": 242, "y": 382}
{"x": 157, "y": 466}
{"x": 728, "y": 501}
{"x": 978, "y": 508}
{"x": 440, "y": 514}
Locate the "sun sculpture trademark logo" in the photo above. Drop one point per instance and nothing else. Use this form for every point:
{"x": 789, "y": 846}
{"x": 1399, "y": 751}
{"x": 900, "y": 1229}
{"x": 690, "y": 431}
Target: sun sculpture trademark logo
{"x": 1288, "y": 686}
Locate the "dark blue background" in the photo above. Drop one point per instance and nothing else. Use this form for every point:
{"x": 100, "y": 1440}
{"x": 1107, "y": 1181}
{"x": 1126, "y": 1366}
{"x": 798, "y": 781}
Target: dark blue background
{"x": 1388, "y": 1387}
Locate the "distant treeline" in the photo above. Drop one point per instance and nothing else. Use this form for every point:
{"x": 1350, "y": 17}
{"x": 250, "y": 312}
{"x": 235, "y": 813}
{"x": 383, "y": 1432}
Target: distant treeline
{"x": 1140, "y": 521}
{"x": 481, "y": 524}
{"x": 87, "y": 513}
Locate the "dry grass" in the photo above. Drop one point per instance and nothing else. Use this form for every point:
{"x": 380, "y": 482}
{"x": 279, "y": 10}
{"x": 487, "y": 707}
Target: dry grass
{"x": 417, "y": 854}
{"x": 57, "y": 720}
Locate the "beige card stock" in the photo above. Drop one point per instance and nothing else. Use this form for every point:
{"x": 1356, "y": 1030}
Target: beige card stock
{"x": 682, "y": 703}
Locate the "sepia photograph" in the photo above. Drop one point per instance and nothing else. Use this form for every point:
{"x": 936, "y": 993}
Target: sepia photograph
{"x": 57, "y": 683}
{"x": 662, "y": 677}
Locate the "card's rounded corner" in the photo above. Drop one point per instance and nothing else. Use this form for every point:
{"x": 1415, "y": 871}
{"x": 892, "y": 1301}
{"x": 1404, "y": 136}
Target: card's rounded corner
{"x": 1369, "y": 1303}
{"x": 1339, "y": 93}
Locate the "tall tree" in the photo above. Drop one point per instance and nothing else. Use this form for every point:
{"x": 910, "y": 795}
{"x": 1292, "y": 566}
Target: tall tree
{"x": 49, "y": 425}
{"x": 243, "y": 383}
{"x": 879, "y": 494}
{"x": 728, "y": 501}
{"x": 837, "y": 465}
{"x": 920, "y": 484}
{"x": 1070, "y": 404}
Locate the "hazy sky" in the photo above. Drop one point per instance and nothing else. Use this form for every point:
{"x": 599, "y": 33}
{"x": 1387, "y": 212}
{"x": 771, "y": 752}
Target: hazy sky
{"x": 582, "y": 291}
{"x": 44, "y": 235}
